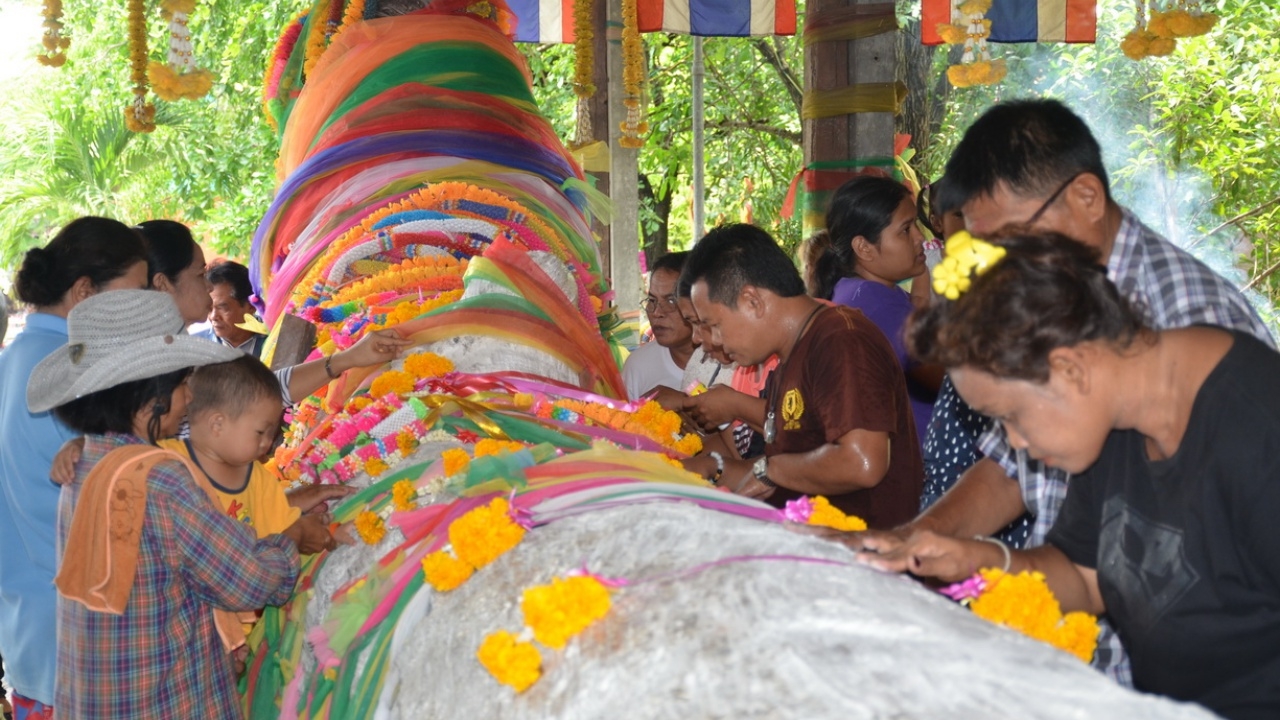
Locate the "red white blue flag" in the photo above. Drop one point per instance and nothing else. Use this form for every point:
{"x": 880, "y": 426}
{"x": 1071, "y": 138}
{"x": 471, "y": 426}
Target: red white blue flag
{"x": 1019, "y": 21}
{"x": 718, "y": 18}
{"x": 551, "y": 21}
{"x": 543, "y": 21}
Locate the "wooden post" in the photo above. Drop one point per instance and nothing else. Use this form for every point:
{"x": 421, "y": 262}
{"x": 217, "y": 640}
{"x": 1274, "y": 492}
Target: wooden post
{"x": 624, "y": 233}
{"x": 838, "y": 64}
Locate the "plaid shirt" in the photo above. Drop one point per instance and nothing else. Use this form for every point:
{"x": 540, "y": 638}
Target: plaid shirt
{"x": 163, "y": 657}
{"x": 1174, "y": 290}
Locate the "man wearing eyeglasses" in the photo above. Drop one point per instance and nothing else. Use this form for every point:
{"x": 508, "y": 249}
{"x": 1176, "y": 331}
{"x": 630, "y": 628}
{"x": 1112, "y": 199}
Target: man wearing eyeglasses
{"x": 661, "y": 362}
{"x": 1035, "y": 164}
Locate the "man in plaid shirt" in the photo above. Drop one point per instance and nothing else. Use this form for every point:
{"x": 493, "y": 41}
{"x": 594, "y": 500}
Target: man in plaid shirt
{"x": 163, "y": 657}
{"x": 1034, "y": 164}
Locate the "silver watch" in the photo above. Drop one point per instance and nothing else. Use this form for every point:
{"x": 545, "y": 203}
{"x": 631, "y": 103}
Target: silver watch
{"x": 760, "y": 468}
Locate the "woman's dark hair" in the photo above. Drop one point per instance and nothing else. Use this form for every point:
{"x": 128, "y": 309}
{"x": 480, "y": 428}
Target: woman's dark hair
{"x": 1048, "y": 292}
{"x": 862, "y": 206}
{"x": 113, "y": 409}
{"x": 98, "y": 248}
{"x": 170, "y": 248}
{"x": 233, "y": 274}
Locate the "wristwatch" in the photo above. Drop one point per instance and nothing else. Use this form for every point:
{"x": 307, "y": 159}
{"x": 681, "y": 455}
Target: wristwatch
{"x": 760, "y": 468}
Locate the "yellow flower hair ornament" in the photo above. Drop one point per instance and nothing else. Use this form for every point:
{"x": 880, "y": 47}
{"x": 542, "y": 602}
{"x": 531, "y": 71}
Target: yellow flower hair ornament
{"x": 966, "y": 258}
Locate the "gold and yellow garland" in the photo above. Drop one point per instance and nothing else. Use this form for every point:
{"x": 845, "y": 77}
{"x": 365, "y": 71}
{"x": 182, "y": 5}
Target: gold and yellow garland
{"x": 179, "y": 78}
{"x": 55, "y": 41}
{"x": 1025, "y": 603}
{"x": 976, "y": 66}
{"x": 633, "y": 71}
{"x": 1158, "y": 36}
{"x": 140, "y": 115}
{"x": 583, "y": 69}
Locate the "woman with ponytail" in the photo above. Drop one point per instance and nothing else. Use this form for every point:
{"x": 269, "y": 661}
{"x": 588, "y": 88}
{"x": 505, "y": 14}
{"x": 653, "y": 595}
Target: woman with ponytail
{"x": 876, "y": 244}
{"x": 87, "y": 257}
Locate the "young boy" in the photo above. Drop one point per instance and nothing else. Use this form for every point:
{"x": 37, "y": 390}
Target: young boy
{"x": 234, "y": 416}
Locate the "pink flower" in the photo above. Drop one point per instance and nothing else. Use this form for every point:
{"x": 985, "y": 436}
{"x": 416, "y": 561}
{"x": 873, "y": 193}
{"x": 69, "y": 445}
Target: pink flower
{"x": 798, "y": 510}
{"x": 968, "y": 589}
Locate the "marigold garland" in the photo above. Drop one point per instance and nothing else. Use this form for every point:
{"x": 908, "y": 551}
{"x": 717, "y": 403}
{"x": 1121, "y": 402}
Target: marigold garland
{"x": 976, "y": 66}
{"x": 444, "y": 571}
{"x": 485, "y": 534}
{"x": 649, "y": 420}
{"x": 1024, "y": 602}
{"x": 55, "y": 40}
{"x": 633, "y": 72}
{"x": 277, "y": 63}
{"x": 583, "y": 69}
{"x": 455, "y": 460}
{"x": 140, "y": 115}
{"x": 560, "y": 610}
{"x": 1158, "y": 36}
{"x": 511, "y": 662}
{"x": 180, "y": 78}
{"x": 818, "y": 510}
{"x": 428, "y": 365}
{"x": 404, "y": 496}
{"x": 392, "y": 381}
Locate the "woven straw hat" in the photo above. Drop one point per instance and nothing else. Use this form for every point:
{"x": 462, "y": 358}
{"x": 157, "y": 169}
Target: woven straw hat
{"x": 116, "y": 337}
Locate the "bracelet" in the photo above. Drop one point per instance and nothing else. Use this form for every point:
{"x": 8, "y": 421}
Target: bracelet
{"x": 1008, "y": 556}
{"x": 714, "y": 455}
{"x": 328, "y": 369}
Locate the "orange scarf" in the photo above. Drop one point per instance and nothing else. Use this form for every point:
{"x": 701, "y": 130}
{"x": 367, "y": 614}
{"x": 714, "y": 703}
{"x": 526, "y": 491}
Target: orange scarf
{"x": 100, "y": 556}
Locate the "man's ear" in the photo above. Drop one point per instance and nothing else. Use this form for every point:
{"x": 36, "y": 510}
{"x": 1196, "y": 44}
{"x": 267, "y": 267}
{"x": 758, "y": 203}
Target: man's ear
{"x": 752, "y": 301}
{"x": 1087, "y": 198}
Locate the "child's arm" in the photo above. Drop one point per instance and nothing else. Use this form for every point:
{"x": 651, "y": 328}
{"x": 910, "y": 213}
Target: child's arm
{"x": 63, "y": 470}
{"x": 314, "y": 497}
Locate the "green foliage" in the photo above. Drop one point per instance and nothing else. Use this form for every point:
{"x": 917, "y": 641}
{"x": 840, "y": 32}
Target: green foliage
{"x": 209, "y": 162}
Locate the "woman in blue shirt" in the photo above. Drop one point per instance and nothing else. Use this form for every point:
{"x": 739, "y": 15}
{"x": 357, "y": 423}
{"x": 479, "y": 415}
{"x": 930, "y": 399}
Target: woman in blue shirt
{"x": 86, "y": 257}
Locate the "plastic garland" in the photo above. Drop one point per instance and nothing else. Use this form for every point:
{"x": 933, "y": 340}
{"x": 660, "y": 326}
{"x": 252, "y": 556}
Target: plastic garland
{"x": 583, "y": 69}
{"x": 55, "y": 41}
{"x": 633, "y": 72}
{"x": 1159, "y": 36}
{"x": 976, "y": 66}
{"x": 1024, "y": 602}
{"x": 179, "y": 79}
{"x": 140, "y": 115}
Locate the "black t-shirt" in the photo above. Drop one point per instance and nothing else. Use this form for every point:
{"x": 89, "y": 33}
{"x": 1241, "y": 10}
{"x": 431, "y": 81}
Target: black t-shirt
{"x": 842, "y": 375}
{"x": 1187, "y": 549}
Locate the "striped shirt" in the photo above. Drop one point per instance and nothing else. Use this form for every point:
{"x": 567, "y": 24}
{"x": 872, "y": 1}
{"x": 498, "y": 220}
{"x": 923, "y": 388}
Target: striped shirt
{"x": 162, "y": 657}
{"x": 1173, "y": 290}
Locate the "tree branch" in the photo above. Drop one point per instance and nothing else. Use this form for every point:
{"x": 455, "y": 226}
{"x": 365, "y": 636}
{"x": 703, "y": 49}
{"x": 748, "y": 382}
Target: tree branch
{"x": 788, "y": 76}
{"x": 1242, "y": 216}
{"x": 758, "y": 126}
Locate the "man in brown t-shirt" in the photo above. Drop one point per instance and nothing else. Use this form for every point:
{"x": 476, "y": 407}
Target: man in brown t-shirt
{"x": 837, "y": 418}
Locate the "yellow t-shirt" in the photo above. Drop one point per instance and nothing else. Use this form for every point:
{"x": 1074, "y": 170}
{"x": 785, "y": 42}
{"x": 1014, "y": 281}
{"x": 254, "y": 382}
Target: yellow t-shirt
{"x": 261, "y": 504}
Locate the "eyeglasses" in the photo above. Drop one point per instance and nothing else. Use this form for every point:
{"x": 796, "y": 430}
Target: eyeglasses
{"x": 666, "y": 304}
{"x": 1052, "y": 198}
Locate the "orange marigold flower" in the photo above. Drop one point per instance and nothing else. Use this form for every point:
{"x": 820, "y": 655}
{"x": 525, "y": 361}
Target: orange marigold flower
{"x": 513, "y": 663}
{"x": 404, "y": 495}
{"x": 427, "y": 365}
{"x": 392, "y": 381}
{"x": 485, "y": 533}
{"x": 490, "y": 446}
{"x": 455, "y": 461}
{"x": 827, "y": 515}
{"x": 444, "y": 571}
{"x": 375, "y": 466}
{"x": 564, "y": 608}
{"x": 370, "y": 527}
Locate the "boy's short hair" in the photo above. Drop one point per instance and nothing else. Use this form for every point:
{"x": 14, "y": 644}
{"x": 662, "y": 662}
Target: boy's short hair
{"x": 231, "y": 387}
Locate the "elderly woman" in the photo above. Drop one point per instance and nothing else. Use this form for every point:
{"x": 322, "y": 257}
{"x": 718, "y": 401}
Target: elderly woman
{"x": 1174, "y": 436}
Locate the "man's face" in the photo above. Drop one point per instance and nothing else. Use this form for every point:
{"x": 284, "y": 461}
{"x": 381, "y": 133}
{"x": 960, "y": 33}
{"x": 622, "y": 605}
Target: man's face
{"x": 1052, "y": 212}
{"x": 227, "y": 311}
{"x": 740, "y": 331}
{"x": 669, "y": 328}
{"x": 701, "y": 336}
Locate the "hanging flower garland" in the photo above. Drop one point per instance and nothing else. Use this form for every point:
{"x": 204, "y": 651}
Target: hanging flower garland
{"x": 1024, "y": 602}
{"x": 140, "y": 115}
{"x": 633, "y": 71}
{"x": 1158, "y": 36}
{"x": 649, "y": 420}
{"x": 179, "y": 79}
{"x": 55, "y": 41}
{"x": 583, "y": 69}
{"x": 976, "y": 66}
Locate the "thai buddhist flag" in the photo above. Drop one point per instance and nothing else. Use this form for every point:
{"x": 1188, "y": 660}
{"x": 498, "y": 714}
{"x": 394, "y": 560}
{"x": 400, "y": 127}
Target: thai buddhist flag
{"x": 543, "y": 21}
{"x": 718, "y": 18}
{"x": 1017, "y": 21}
